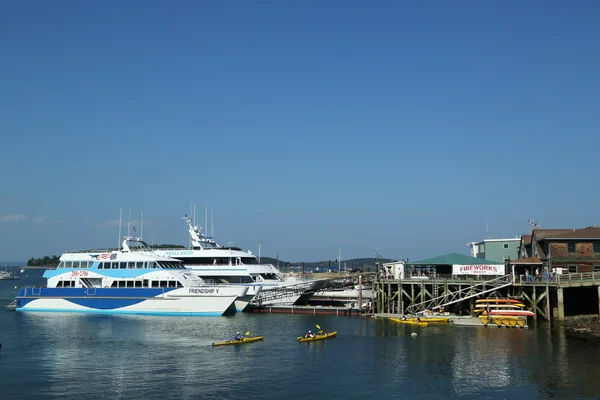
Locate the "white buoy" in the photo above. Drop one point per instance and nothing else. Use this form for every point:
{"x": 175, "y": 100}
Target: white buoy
{"x": 413, "y": 334}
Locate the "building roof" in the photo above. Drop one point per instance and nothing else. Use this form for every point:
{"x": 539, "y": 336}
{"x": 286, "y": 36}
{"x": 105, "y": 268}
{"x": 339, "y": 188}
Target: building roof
{"x": 526, "y": 239}
{"x": 591, "y": 232}
{"x": 528, "y": 261}
{"x": 454, "y": 258}
{"x": 541, "y": 234}
{"x": 514, "y": 239}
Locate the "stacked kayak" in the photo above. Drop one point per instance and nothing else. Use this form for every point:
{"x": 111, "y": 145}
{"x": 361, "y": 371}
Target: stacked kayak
{"x": 410, "y": 322}
{"x": 244, "y": 340}
{"x": 317, "y": 337}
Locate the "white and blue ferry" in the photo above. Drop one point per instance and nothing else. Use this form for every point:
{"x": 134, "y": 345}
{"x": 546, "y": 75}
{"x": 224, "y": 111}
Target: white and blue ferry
{"x": 131, "y": 280}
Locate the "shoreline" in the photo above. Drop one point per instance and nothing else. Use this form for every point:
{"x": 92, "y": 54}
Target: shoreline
{"x": 583, "y": 326}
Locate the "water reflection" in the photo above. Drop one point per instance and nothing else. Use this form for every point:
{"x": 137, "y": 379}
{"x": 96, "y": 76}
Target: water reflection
{"x": 141, "y": 357}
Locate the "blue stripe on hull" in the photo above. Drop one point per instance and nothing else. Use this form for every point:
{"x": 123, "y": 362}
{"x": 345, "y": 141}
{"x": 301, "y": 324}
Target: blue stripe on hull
{"x": 104, "y": 304}
{"x": 131, "y": 312}
{"x": 92, "y": 292}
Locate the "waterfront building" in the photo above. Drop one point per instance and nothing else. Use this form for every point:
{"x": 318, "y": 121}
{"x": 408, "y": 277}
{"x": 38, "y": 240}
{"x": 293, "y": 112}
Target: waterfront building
{"x": 498, "y": 250}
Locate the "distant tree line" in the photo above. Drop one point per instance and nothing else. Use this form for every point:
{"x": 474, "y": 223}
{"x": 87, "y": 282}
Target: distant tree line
{"x": 45, "y": 261}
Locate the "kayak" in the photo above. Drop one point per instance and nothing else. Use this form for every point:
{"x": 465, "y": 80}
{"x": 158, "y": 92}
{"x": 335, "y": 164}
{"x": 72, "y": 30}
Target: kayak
{"x": 432, "y": 320}
{"x": 245, "y": 340}
{"x": 497, "y": 301}
{"x": 410, "y": 322}
{"x": 318, "y": 337}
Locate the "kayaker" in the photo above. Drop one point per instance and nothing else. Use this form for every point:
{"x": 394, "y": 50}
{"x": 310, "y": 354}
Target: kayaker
{"x": 309, "y": 334}
{"x": 322, "y": 332}
{"x": 418, "y": 319}
{"x": 238, "y": 336}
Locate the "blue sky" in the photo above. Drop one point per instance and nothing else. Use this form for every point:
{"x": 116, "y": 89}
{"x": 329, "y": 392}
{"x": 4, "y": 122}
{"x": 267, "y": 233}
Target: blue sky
{"x": 310, "y": 126}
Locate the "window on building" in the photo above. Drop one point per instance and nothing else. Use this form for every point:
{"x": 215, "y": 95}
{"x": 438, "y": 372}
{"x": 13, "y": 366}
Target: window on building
{"x": 571, "y": 247}
{"x": 572, "y": 269}
{"x": 596, "y": 247}
{"x": 506, "y": 245}
{"x": 481, "y": 248}
{"x": 596, "y": 268}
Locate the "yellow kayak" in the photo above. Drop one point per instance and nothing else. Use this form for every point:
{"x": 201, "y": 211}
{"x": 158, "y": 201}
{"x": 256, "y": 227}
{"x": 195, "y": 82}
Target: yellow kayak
{"x": 245, "y": 340}
{"x": 410, "y": 322}
{"x": 318, "y": 337}
{"x": 433, "y": 320}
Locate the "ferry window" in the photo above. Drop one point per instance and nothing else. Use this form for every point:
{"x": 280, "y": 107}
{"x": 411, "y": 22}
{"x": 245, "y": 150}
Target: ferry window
{"x": 68, "y": 264}
{"x": 114, "y": 284}
{"x": 59, "y": 284}
{"x": 154, "y": 283}
{"x": 145, "y": 284}
{"x": 179, "y": 284}
{"x": 122, "y": 265}
{"x": 129, "y": 283}
{"x": 61, "y": 264}
{"x": 131, "y": 265}
{"x": 571, "y": 247}
{"x": 122, "y": 284}
{"x": 172, "y": 283}
{"x": 101, "y": 265}
{"x": 114, "y": 265}
{"x": 164, "y": 283}
{"x": 138, "y": 284}
{"x": 139, "y": 265}
{"x": 151, "y": 264}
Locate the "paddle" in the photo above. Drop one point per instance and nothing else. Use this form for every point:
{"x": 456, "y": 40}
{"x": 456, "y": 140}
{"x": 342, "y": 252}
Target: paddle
{"x": 247, "y": 333}
{"x": 318, "y": 327}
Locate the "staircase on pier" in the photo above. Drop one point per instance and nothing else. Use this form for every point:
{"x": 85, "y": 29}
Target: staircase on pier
{"x": 475, "y": 290}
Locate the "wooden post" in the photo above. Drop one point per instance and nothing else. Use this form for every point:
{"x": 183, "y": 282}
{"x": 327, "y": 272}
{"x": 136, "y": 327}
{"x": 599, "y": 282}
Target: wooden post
{"x": 389, "y": 296}
{"x": 598, "y": 299}
{"x": 548, "y": 316}
{"x": 535, "y": 313}
{"x": 360, "y": 292}
{"x": 561, "y": 304}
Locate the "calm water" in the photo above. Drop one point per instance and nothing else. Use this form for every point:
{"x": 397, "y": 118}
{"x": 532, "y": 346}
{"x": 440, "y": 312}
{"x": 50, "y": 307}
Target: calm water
{"x": 48, "y": 356}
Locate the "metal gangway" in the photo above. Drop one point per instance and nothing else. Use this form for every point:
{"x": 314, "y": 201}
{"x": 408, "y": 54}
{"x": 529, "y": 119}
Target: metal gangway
{"x": 305, "y": 288}
{"x": 475, "y": 290}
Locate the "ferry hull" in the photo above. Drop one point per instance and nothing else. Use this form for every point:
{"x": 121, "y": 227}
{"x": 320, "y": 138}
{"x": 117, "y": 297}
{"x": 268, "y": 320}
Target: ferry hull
{"x": 176, "y": 302}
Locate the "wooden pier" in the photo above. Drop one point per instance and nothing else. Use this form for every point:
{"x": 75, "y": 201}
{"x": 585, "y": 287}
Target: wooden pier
{"x": 312, "y": 310}
{"x": 547, "y": 299}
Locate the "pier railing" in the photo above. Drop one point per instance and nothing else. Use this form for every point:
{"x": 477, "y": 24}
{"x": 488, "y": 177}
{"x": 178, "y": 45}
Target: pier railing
{"x": 580, "y": 279}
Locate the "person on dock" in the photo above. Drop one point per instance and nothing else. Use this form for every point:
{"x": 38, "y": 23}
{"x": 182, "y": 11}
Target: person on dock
{"x": 237, "y": 336}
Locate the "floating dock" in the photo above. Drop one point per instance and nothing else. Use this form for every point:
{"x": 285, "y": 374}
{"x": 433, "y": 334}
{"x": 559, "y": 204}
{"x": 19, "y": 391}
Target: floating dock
{"x": 312, "y": 310}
